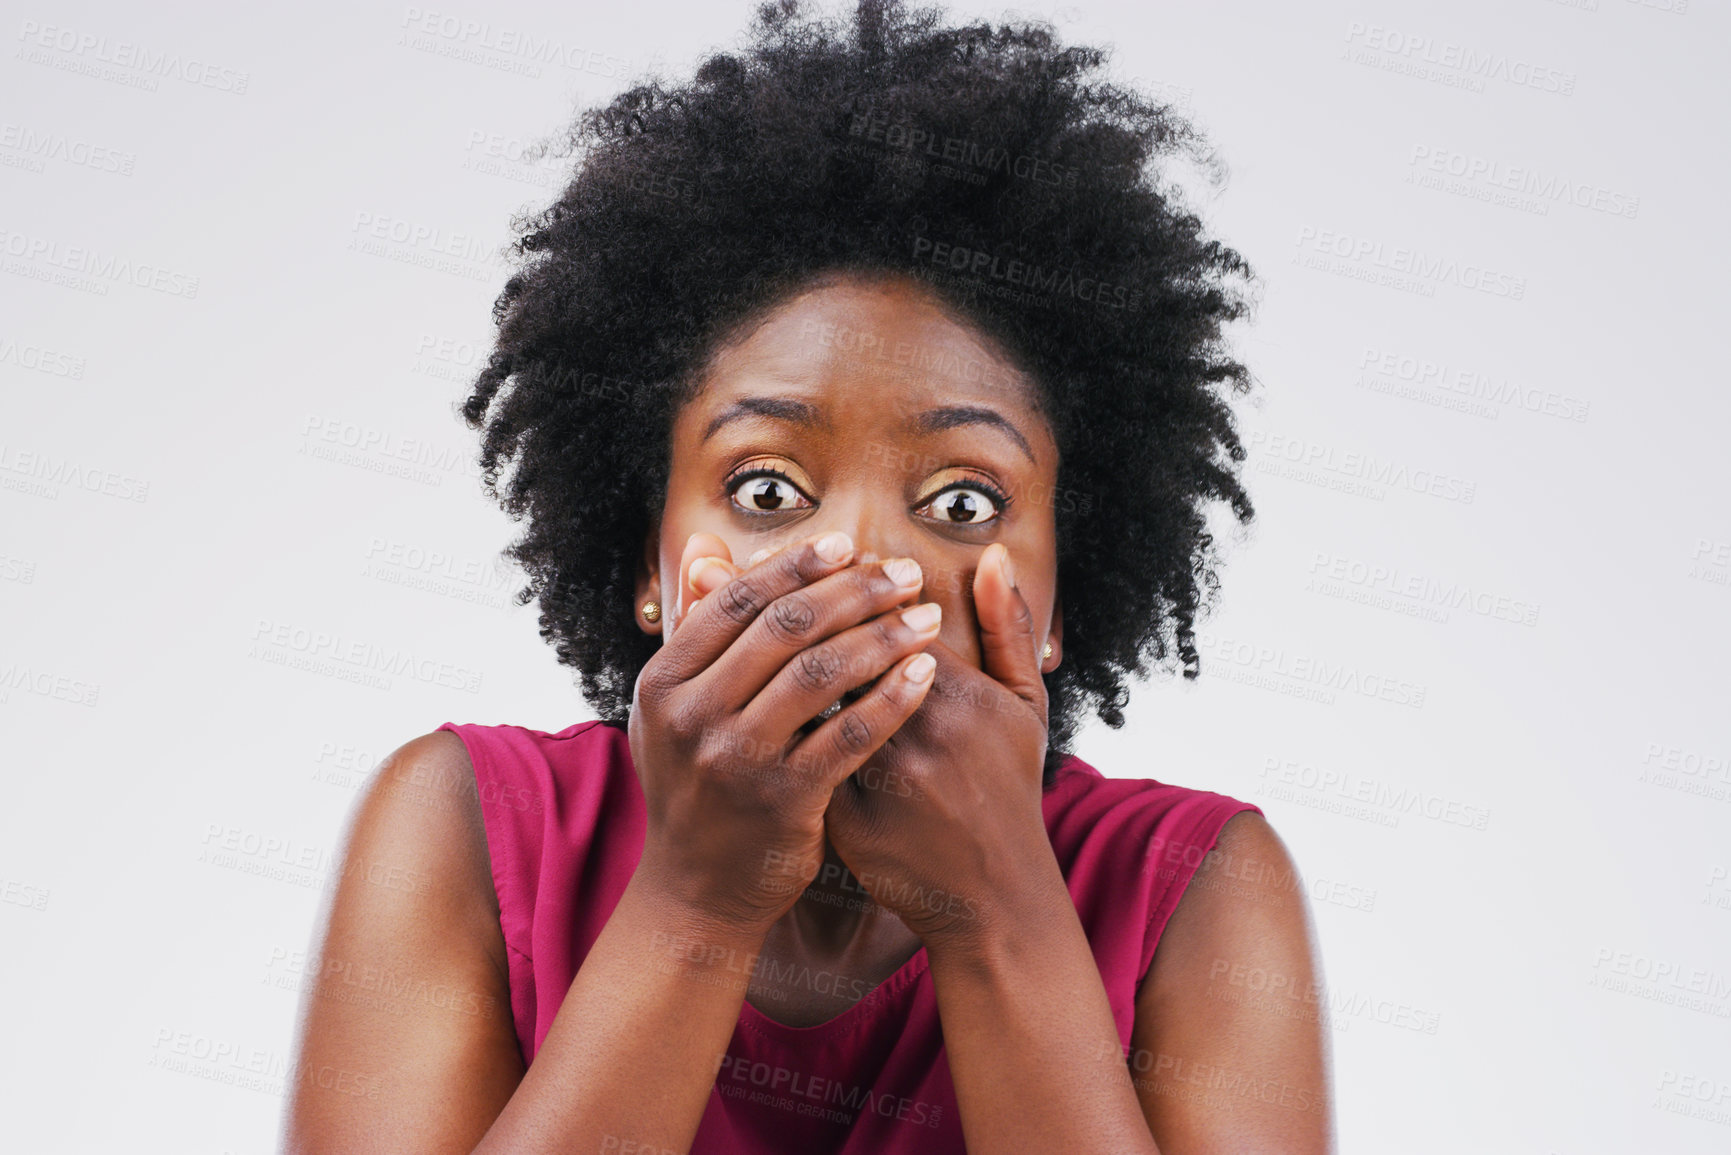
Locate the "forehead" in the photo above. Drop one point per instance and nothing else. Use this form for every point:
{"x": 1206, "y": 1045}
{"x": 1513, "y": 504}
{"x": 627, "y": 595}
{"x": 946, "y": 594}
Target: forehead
{"x": 868, "y": 349}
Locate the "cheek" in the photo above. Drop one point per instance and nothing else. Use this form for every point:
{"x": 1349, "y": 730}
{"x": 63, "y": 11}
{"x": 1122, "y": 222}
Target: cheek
{"x": 954, "y": 590}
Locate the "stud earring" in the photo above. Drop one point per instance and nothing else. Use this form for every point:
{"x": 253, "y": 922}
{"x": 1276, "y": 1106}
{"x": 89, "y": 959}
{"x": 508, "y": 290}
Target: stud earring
{"x": 1047, "y": 652}
{"x": 652, "y": 611}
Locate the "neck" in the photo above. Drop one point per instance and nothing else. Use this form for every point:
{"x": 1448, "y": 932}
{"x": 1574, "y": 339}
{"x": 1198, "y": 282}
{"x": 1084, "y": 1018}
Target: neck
{"x": 836, "y": 912}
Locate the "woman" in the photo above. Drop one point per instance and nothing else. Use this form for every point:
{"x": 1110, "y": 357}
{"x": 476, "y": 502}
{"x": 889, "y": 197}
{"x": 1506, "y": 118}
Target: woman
{"x": 861, "y": 397}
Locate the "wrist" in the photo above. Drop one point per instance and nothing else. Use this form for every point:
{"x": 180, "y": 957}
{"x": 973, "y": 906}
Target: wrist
{"x": 1016, "y": 924}
{"x": 677, "y": 913}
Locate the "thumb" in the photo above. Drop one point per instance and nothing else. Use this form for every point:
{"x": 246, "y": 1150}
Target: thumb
{"x": 1008, "y": 649}
{"x": 698, "y": 546}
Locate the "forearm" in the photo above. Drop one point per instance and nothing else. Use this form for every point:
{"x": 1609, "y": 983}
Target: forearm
{"x": 632, "y": 1054}
{"x": 1034, "y": 1054}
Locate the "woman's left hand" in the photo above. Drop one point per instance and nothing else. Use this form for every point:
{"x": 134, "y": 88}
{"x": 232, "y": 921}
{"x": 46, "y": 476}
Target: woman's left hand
{"x": 944, "y": 826}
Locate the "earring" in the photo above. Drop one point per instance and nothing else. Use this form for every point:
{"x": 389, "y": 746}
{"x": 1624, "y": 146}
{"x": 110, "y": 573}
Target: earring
{"x": 652, "y": 611}
{"x": 1047, "y": 652}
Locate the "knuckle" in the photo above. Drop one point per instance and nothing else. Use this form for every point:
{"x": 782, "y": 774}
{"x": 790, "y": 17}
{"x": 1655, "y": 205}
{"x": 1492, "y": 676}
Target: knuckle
{"x": 817, "y": 668}
{"x": 686, "y": 718}
{"x": 791, "y": 617}
{"x": 655, "y": 681}
{"x": 740, "y": 599}
{"x": 853, "y": 736}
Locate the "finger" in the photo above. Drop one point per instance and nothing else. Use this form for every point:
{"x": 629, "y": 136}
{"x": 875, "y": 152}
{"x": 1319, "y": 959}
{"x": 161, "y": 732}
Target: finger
{"x": 698, "y": 546}
{"x": 1009, "y": 651}
{"x": 832, "y": 662}
{"x": 708, "y": 574}
{"x": 825, "y": 758}
{"x": 715, "y": 622}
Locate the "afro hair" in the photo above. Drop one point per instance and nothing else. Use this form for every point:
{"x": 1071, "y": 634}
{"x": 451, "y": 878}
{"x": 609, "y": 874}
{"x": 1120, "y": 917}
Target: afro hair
{"x": 991, "y": 162}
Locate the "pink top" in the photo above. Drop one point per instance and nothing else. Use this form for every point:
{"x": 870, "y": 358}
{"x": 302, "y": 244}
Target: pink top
{"x": 565, "y": 823}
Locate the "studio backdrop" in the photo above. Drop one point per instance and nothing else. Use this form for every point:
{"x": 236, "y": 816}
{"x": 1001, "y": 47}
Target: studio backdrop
{"x": 1470, "y": 658}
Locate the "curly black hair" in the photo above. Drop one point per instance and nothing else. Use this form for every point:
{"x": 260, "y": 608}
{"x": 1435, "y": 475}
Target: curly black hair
{"x": 991, "y": 162}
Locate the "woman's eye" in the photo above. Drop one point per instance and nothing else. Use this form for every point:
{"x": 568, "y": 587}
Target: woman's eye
{"x": 766, "y": 493}
{"x": 964, "y": 505}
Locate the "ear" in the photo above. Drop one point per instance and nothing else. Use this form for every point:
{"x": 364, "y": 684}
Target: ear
{"x": 649, "y": 584}
{"x": 1055, "y": 635}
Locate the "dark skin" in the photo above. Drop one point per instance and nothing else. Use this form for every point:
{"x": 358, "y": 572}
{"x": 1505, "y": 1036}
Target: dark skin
{"x": 845, "y": 351}
{"x": 748, "y": 802}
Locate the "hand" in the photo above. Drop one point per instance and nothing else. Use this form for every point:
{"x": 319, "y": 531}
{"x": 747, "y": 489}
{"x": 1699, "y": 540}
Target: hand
{"x": 944, "y": 826}
{"x": 735, "y": 792}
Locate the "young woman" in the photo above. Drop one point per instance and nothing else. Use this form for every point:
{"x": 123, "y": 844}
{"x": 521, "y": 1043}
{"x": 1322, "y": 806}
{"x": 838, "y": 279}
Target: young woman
{"x": 862, "y": 398}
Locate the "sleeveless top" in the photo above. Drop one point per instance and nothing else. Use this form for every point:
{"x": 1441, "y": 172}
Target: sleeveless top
{"x": 565, "y": 826}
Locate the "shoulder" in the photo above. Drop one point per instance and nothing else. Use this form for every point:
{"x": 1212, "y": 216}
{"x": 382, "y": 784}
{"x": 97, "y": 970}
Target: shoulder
{"x": 1244, "y": 906}
{"x": 1161, "y": 830}
{"x": 1235, "y": 998}
{"x": 417, "y": 827}
{"x": 409, "y": 932}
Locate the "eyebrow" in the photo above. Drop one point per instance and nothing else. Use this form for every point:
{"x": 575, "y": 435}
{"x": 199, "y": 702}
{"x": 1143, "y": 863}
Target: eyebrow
{"x": 929, "y": 422}
{"x": 778, "y": 408}
{"x": 956, "y": 416}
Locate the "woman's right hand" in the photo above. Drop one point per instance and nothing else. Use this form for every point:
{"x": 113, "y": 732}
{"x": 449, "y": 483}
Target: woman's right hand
{"x": 735, "y": 792}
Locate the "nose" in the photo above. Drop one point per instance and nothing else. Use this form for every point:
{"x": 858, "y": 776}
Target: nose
{"x": 873, "y": 527}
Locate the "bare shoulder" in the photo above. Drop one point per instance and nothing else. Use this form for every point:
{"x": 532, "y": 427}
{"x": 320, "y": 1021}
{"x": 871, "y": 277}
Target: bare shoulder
{"x": 421, "y": 807}
{"x": 406, "y": 1040}
{"x": 1231, "y": 1047}
{"x": 1247, "y": 894}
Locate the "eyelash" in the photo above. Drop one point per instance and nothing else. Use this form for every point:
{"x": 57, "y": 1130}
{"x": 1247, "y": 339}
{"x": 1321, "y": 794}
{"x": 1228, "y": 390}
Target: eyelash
{"x": 1000, "y": 499}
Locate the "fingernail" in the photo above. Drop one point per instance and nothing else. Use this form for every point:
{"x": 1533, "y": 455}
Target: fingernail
{"x": 923, "y": 617}
{"x": 834, "y": 547}
{"x": 920, "y": 668}
{"x": 698, "y": 568}
{"x": 756, "y": 557}
{"x": 904, "y": 571}
{"x": 1010, "y": 572}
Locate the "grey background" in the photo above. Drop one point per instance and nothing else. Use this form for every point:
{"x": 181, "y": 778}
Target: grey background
{"x": 1492, "y": 731}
